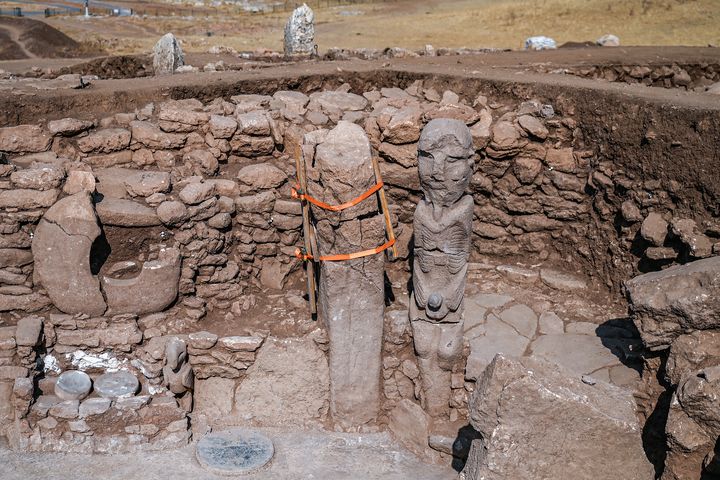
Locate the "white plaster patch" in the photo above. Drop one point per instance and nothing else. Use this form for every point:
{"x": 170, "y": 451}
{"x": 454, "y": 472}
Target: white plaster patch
{"x": 51, "y": 364}
{"x": 83, "y": 361}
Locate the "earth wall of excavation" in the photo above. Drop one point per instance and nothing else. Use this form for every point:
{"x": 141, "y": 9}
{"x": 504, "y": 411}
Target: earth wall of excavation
{"x": 124, "y": 233}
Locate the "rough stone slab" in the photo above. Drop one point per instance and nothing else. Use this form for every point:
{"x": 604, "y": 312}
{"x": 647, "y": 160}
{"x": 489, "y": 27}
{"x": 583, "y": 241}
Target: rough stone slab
{"x": 522, "y": 318}
{"x": 538, "y": 420}
{"x": 674, "y": 301}
{"x": 410, "y": 425}
{"x": 126, "y": 213}
{"x": 26, "y": 199}
{"x": 24, "y": 138}
{"x": 67, "y": 409}
{"x": 94, "y": 406}
{"x": 68, "y": 126}
{"x": 241, "y": 344}
{"x": 561, "y": 280}
{"x": 234, "y": 452}
{"x": 105, "y": 141}
{"x": 29, "y": 330}
{"x": 582, "y": 354}
{"x": 44, "y": 177}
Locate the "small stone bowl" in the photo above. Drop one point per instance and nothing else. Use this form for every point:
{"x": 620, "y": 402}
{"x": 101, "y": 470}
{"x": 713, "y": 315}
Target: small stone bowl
{"x": 73, "y": 385}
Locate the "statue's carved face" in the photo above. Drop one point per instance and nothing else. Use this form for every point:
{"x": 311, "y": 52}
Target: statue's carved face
{"x": 445, "y": 161}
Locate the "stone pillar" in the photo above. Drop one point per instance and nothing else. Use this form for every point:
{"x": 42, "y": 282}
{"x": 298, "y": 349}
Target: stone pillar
{"x": 442, "y": 232}
{"x": 300, "y": 31}
{"x": 167, "y": 55}
{"x": 351, "y": 293}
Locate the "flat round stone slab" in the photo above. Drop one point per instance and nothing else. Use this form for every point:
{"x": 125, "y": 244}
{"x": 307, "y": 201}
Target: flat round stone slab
{"x": 234, "y": 452}
{"x": 120, "y": 384}
{"x": 73, "y": 385}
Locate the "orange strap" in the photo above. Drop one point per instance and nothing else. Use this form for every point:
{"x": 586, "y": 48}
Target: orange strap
{"x": 303, "y": 255}
{"x": 297, "y": 192}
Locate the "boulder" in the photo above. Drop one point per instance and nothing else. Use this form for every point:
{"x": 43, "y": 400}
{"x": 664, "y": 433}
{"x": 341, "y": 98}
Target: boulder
{"x": 538, "y": 420}
{"x": 654, "y": 229}
{"x": 152, "y": 290}
{"x": 699, "y": 244}
{"x": 678, "y": 300}
{"x": 300, "y": 31}
{"x": 61, "y": 251}
{"x": 693, "y": 352}
{"x": 167, "y": 55}
{"x": 222, "y": 127}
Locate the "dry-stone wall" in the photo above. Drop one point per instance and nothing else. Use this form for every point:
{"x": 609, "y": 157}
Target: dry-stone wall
{"x": 697, "y": 77}
{"x": 183, "y": 209}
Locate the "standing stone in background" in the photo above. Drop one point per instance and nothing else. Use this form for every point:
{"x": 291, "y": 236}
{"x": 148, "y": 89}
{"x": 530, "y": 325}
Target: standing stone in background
{"x": 443, "y": 229}
{"x": 167, "y": 55}
{"x": 351, "y": 293}
{"x": 300, "y": 31}
{"x": 608, "y": 40}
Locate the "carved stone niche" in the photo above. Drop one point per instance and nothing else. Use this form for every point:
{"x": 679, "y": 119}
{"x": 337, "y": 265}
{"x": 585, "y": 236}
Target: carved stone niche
{"x": 63, "y": 247}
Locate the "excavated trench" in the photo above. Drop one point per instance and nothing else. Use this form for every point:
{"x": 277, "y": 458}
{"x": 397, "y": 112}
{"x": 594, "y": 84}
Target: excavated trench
{"x": 578, "y": 187}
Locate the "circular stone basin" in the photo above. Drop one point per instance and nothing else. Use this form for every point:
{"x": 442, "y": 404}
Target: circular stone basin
{"x": 120, "y": 384}
{"x": 234, "y": 452}
{"x": 73, "y": 385}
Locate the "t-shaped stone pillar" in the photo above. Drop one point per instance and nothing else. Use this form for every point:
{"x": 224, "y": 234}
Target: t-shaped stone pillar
{"x": 351, "y": 293}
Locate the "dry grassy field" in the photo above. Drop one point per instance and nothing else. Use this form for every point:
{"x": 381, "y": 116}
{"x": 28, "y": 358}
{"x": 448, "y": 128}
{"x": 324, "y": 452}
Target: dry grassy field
{"x": 412, "y": 24}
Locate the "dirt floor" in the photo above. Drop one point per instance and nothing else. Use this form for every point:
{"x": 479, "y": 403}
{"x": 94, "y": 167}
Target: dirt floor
{"x": 298, "y": 455}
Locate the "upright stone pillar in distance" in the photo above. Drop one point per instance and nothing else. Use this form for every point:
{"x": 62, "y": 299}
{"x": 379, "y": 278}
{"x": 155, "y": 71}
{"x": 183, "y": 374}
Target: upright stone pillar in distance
{"x": 300, "y": 31}
{"x": 442, "y": 228}
{"x": 167, "y": 55}
{"x": 350, "y": 293}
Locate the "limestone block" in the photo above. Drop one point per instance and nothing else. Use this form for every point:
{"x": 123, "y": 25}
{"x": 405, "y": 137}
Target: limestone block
{"x": 105, "y": 141}
{"x": 29, "y": 331}
{"x": 24, "y": 139}
{"x": 677, "y": 300}
{"x": 25, "y": 199}
{"x": 126, "y": 213}
{"x": 262, "y": 176}
{"x": 144, "y": 184}
{"x": 151, "y": 136}
{"x": 152, "y": 290}
{"x": 44, "y": 177}
{"x": 61, "y": 251}
{"x": 67, "y": 127}
{"x": 528, "y": 411}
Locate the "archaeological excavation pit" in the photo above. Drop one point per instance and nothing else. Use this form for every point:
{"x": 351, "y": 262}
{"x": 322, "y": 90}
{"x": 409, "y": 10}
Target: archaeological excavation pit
{"x": 549, "y": 307}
